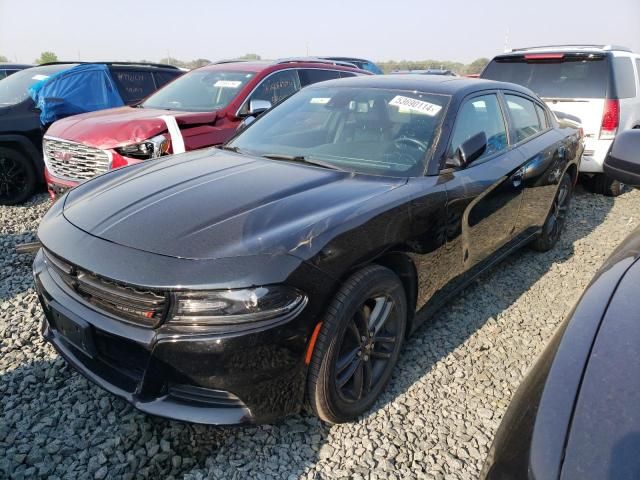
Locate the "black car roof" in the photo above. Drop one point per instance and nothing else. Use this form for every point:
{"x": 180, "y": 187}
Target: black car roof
{"x": 5, "y": 66}
{"x": 439, "y": 84}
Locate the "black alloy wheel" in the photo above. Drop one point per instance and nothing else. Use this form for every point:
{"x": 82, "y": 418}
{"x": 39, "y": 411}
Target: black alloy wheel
{"x": 553, "y": 226}
{"x": 367, "y": 347}
{"x": 17, "y": 177}
{"x": 358, "y": 345}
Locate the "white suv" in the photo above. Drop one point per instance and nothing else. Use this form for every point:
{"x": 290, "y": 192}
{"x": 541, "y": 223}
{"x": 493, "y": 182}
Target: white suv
{"x": 598, "y": 84}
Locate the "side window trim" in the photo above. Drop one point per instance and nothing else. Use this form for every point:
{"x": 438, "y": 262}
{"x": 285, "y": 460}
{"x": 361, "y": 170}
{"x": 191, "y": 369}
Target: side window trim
{"x": 259, "y": 84}
{"x": 511, "y": 123}
{"x": 468, "y": 98}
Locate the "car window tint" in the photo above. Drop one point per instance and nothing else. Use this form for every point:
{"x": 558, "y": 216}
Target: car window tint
{"x": 277, "y": 87}
{"x": 638, "y": 70}
{"x": 523, "y": 116}
{"x": 3, "y": 74}
{"x": 624, "y": 78}
{"x": 480, "y": 114}
{"x": 162, "y": 78}
{"x": 542, "y": 116}
{"x": 134, "y": 85}
{"x": 314, "y": 75}
{"x": 347, "y": 74}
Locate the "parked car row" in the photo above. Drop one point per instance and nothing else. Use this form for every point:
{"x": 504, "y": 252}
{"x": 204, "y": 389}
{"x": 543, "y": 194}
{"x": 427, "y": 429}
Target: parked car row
{"x": 287, "y": 266}
{"x": 201, "y": 110}
{"x": 21, "y": 125}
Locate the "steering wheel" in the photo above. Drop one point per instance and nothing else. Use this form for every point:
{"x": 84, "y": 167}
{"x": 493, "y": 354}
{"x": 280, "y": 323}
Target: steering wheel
{"x": 420, "y": 145}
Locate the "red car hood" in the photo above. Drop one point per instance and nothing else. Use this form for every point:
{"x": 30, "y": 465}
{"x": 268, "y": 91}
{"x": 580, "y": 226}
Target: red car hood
{"x": 122, "y": 126}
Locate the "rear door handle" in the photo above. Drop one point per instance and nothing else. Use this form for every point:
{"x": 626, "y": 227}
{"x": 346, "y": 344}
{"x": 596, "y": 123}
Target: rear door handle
{"x": 517, "y": 177}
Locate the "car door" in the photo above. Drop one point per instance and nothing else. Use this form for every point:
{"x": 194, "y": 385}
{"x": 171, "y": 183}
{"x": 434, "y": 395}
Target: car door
{"x": 484, "y": 197}
{"x": 458, "y": 237}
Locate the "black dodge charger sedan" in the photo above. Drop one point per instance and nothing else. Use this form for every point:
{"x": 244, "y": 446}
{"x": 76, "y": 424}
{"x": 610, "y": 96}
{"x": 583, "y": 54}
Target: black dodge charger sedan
{"x": 576, "y": 415}
{"x": 232, "y": 285}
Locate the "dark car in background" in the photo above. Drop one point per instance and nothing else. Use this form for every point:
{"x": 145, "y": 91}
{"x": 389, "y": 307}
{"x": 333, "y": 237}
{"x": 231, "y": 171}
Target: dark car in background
{"x": 7, "y": 69}
{"x": 361, "y": 63}
{"x": 21, "y": 129}
{"x": 576, "y": 415}
{"x": 290, "y": 264}
{"x": 597, "y": 85}
{"x": 202, "y": 109}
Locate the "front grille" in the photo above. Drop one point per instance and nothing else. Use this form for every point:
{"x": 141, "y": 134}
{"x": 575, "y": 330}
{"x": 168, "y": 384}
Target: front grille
{"x": 139, "y": 306}
{"x": 74, "y": 161}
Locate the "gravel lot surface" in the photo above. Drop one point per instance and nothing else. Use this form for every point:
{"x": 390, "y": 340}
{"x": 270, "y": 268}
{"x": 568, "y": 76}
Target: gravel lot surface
{"x": 436, "y": 419}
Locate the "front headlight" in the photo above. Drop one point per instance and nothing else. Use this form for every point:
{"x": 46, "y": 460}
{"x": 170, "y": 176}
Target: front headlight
{"x": 229, "y": 307}
{"x": 152, "y": 148}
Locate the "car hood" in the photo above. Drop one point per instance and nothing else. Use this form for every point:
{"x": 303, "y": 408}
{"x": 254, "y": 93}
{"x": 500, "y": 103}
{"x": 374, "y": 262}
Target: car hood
{"x": 216, "y": 204}
{"x": 121, "y": 126}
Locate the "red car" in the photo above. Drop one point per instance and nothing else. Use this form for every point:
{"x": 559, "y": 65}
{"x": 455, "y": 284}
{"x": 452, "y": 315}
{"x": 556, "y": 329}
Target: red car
{"x": 202, "y": 108}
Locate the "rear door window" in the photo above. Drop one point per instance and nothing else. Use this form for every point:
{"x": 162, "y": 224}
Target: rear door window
{"x": 134, "y": 85}
{"x": 162, "y": 78}
{"x": 524, "y": 118}
{"x": 624, "y": 78}
{"x": 573, "y": 77}
{"x": 542, "y": 115}
{"x": 315, "y": 75}
{"x": 347, "y": 74}
{"x": 480, "y": 114}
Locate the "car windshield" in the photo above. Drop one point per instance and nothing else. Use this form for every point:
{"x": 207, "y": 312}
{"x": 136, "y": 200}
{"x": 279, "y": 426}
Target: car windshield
{"x": 199, "y": 91}
{"x": 14, "y": 89}
{"x": 366, "y": 130}
{"x": 570, "y": 78}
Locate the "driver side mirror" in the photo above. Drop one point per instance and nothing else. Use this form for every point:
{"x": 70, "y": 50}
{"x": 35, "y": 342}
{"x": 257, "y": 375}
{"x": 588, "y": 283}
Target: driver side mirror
{"x": 256, "y": 107}
{"x": 472, "y": 149}
{"x": 623, "y": 160}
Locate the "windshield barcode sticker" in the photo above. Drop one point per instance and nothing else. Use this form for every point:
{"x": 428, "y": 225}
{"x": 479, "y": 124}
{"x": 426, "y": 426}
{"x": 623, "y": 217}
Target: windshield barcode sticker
{"x": 411, "y": 104}
{"x": 227, "y": 84}
{"x": 320, "y": 100}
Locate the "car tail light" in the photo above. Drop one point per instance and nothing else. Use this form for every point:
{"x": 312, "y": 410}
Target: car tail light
{"x": 610, "y": 119}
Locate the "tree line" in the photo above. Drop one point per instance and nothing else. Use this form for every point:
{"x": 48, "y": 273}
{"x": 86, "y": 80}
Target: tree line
{"x": 387, "y": 66}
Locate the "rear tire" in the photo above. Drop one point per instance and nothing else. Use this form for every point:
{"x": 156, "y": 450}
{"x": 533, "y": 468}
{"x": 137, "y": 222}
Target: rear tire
{"x": 17, "y": 177}
{"x": 557, "y": 217}
{"x": 607, "y": 186}
{"x": 358, "y": 345}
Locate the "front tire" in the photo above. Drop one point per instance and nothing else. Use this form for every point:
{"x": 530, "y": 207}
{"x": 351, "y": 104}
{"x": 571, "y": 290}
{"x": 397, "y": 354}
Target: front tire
{"x": 17, "y": 177}
{"x": 554, "y": 224}
{"x": 358, "y": 345}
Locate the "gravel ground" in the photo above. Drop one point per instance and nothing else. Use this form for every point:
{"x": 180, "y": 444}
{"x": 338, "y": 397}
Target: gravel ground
{"x": 436, "y": 419}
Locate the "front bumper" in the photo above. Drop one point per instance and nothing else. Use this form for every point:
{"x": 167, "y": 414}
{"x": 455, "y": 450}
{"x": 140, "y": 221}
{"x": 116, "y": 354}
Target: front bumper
{"x": 216, "y": 379}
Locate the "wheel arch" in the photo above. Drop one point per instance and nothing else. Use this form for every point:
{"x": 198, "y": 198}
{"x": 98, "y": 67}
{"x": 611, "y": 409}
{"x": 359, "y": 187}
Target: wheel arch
{"x": 402, "y": 265}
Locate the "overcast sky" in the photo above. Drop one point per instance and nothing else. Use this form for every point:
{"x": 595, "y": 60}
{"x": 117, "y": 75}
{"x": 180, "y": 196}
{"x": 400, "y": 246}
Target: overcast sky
{"x": 380, "y": 30}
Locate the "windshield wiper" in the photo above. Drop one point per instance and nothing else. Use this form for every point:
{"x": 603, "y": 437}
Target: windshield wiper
{"x": 228, "y": 148}
{"x": 301, "y": 159}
